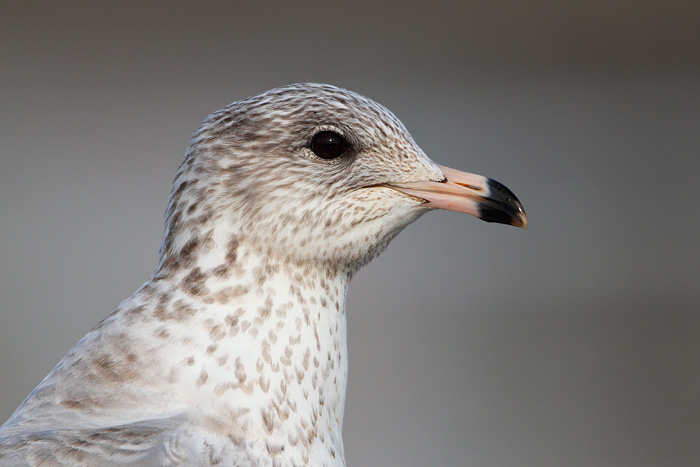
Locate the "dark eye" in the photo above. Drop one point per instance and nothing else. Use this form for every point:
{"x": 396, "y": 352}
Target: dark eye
{"x": 328, "y": 145}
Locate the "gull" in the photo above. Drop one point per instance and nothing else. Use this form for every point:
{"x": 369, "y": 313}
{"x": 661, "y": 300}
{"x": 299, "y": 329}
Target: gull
{"x": 234, "y": 351}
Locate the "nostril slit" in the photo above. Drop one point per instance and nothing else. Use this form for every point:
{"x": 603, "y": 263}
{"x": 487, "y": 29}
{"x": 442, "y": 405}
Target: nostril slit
{"x": 471, "y": 187}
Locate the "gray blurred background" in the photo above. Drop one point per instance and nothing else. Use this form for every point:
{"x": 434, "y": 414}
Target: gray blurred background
{"x": 575, "y": 343}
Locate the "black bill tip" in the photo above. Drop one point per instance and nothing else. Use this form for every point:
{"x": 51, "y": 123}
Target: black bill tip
{"x": 502, "y": 206}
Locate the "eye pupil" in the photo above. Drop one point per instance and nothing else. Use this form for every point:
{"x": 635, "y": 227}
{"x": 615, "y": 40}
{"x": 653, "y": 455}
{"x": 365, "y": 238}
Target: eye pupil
{"x": 328, "y": 145}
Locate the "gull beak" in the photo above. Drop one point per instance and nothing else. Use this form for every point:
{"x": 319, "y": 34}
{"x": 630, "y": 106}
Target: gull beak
{"x": 469, "y": 193}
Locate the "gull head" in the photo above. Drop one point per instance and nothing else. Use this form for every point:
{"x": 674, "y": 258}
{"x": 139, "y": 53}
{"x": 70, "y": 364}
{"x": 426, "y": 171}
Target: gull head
{"x": 312, "y": 173}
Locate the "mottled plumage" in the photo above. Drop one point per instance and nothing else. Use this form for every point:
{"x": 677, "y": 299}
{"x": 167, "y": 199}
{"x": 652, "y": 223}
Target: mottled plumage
{"x": 234, "y": 351}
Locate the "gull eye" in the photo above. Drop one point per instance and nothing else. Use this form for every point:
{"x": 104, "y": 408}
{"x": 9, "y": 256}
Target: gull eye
{"x": 328, "y": 145}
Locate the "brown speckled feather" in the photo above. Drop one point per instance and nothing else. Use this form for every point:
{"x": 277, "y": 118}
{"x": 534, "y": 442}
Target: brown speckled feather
{"x": 234, "y": 351}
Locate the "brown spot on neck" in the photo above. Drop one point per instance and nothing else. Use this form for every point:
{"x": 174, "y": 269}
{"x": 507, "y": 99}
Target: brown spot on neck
{"x": 232, "y": 250}
{"x": 193, "y": 283}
